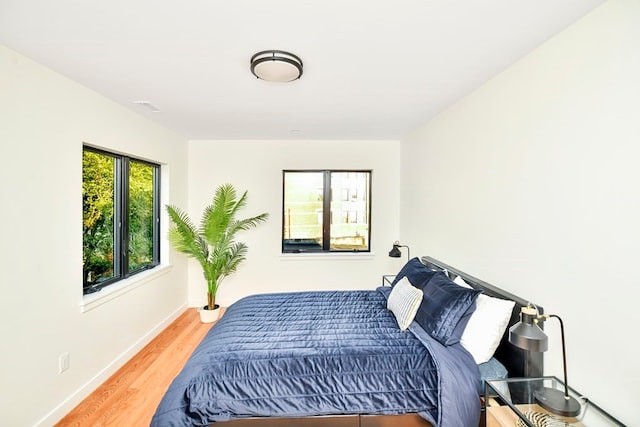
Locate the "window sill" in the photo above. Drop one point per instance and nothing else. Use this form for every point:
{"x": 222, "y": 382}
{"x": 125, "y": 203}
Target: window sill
{"x": 91, "y": 301}
{"x": 328, "y": 256}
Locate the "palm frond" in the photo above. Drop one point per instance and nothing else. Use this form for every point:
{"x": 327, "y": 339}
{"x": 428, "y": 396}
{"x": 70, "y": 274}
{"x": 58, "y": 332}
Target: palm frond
{"x": 248, "y": 223}
{"x": 183, "y": 235}
{"x": 241, "y": 203}
{"x": 219, "y": 213}
{"x": 238, "y": 253}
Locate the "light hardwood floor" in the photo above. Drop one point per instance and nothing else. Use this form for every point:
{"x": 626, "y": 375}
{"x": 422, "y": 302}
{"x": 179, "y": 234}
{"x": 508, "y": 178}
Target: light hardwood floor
{"x": 131, "y": 396}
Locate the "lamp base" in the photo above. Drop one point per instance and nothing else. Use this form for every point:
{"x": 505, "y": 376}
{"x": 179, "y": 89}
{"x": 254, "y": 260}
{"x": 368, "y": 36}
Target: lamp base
{"x": 555, "y": 401}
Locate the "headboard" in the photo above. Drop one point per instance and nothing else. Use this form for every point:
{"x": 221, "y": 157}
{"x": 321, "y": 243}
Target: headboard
{"x": 519, "y": 363}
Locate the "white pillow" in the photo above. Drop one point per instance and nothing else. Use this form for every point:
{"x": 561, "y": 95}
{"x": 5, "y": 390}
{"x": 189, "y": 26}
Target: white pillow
{"x": 486, "y": 326}
{"x": 404, "y": 301}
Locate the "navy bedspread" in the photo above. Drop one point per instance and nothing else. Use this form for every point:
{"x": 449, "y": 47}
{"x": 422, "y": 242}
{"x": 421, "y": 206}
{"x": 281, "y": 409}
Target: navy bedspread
{"x": 320, "y": 353}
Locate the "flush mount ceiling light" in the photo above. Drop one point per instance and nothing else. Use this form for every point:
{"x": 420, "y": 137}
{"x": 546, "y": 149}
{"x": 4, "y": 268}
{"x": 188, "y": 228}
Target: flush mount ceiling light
{"x": 276, "y": 66}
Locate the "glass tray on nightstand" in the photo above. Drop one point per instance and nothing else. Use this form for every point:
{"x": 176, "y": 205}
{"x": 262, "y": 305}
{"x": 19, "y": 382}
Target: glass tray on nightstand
{"x": 511, "y": 402}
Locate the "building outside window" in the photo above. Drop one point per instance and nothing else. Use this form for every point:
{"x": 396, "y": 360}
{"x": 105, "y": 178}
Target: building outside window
{"x": 120, "y": 217}
{"x": 326, "y": 211}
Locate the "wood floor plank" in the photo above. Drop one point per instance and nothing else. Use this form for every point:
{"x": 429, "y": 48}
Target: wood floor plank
{"x": 141, "y": 405}
{"x": 131, "y": 395}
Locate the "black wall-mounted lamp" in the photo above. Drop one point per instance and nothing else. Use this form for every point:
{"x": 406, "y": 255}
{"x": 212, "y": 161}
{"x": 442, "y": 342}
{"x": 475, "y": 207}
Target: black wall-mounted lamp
{"x": 395, "y": 252}
{"x": 527, "y": 335}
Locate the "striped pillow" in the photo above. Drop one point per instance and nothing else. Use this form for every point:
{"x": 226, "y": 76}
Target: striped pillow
{"x": 404, "y": 301}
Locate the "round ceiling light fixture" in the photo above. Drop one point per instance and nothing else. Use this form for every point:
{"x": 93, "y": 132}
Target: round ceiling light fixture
{"x": 276, "y": 66}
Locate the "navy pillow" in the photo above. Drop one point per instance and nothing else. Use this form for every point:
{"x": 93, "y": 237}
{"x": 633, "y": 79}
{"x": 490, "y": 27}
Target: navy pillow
{"x": 444, "y": 306}
{"x": 417, "y": 273}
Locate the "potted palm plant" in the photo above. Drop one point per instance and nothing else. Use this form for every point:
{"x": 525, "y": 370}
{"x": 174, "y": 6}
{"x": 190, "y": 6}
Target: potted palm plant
{"x": 213, "y": 243}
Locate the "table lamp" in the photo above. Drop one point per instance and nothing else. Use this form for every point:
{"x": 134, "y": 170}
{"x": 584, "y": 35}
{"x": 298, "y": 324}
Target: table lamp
{"x": 527, "y": 335}
{"x": 395, "y": 251}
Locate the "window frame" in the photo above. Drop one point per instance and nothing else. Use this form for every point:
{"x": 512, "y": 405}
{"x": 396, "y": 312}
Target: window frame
{"x": 326, "y": 212}
{"x": 121, "y": 216}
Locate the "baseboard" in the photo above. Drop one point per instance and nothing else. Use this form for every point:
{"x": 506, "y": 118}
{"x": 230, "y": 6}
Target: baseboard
{"x": 79, "y": 395}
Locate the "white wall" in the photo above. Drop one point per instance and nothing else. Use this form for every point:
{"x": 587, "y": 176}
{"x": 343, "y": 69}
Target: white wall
{"x": 257, "y": 166}
{"x": 532, "y": 183}
{"x": 44, "y": 120}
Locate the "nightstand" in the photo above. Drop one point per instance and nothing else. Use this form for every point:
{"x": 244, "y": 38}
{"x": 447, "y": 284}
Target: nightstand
{"x": 511, "y": 402}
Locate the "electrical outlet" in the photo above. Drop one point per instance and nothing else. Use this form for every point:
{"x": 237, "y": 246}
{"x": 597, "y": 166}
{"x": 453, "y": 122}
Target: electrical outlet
{"x": 63, "y": 362}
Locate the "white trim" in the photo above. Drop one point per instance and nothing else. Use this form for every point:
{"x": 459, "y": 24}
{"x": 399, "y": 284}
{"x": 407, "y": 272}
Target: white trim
{"x": 110, "y": 292}
{"x": 84, "y": 391}
{"x": 343, "y": 256}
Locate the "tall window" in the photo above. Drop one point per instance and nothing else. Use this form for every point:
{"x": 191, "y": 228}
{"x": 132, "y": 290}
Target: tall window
{"x": 120, "y": 217}
{"x": 326, "y": 211}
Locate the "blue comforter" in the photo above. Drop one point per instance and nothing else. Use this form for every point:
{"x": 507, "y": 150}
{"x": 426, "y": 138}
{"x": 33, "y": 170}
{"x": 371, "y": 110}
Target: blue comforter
{"x": 320, "y": 353}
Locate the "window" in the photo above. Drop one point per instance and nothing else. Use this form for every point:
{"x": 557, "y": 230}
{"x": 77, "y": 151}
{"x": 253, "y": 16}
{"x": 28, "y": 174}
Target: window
{"x": 326, "y": 211}
{"x": 120, "y": 217}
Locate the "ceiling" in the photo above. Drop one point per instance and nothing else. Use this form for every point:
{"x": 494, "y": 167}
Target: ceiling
{"x": 373, "y": 69}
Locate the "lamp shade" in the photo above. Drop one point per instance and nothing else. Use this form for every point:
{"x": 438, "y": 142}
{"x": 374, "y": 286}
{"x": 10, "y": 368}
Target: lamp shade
{"x": 395, "y": 252}
{"x": 526, "y": 334}
{"x": 276, "y": 66}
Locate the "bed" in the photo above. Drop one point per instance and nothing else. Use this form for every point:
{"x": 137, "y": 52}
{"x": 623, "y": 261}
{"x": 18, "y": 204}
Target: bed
{"x": 342, "y": 358}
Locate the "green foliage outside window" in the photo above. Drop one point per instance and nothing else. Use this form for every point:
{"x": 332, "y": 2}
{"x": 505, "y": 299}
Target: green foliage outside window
{"x": 140, "y": 215}
{"x": 98, "y": 185}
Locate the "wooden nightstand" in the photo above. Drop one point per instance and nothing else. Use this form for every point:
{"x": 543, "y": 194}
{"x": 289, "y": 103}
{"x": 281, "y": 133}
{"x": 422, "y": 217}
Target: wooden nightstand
{"x": 511, "y": 402}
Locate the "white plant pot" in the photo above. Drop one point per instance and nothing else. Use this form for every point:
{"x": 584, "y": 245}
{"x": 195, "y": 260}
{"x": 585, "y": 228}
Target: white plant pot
{"x": 209, "y": 316}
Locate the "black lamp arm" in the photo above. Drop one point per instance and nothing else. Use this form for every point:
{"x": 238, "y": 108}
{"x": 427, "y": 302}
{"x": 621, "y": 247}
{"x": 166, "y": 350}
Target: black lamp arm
{"x": 408, "y": 250}
{"x": 564, "y": 352}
